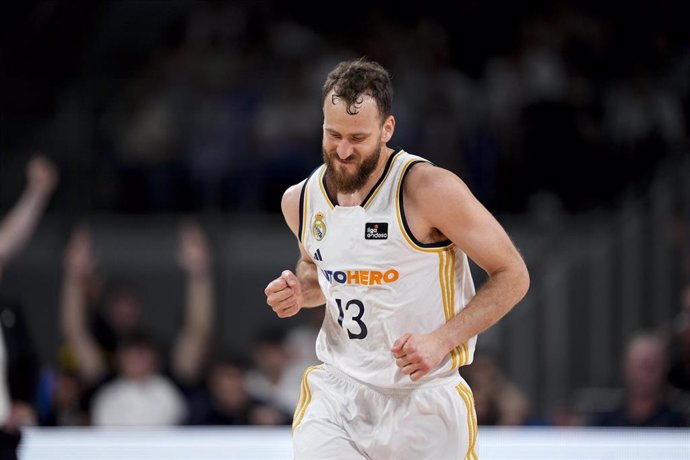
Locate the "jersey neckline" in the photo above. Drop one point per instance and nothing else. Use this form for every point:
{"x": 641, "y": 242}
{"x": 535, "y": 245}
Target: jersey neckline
{"x": 374, "y": 190}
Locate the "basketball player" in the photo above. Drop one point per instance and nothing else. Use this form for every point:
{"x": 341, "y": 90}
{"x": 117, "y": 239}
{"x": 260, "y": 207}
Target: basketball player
{"x": 384, "y": 238}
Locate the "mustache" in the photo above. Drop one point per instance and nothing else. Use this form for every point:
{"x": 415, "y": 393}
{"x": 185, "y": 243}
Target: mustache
{"x": 334, "y": 156}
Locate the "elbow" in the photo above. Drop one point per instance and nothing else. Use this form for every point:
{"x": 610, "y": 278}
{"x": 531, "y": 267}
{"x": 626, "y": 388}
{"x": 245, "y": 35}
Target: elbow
{"x": 522, "y": 282}
{"x": 516, "y": 281}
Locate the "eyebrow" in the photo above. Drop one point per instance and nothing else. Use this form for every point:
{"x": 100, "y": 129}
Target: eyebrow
{"x": 357, "y": 134}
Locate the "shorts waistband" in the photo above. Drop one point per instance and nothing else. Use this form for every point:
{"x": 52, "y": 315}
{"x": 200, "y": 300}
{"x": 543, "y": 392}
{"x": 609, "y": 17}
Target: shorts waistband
{"x": 451, "y": 380}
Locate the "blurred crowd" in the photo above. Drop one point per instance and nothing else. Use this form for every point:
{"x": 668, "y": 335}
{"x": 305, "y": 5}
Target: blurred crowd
{"x": 111, "y": 371}
{"x": 221, "y": 112}
{"x": 214, "y": 106}
{"x": 228, "y": 116}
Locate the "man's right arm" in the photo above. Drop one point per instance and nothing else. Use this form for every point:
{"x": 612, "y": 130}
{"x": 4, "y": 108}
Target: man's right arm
{"x": 307, "y": 275}
{"x": 291, "y": 292}
{"x": 305, "y": 270}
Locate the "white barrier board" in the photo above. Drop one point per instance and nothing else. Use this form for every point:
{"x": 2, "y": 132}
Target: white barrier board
{"x": 251, "y": 443}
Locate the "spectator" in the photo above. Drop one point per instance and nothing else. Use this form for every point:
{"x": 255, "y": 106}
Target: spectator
{"x": 19, "y": 224}
{"x": 140, "y": 394}
{"x": 18, "y": 359}
{"x": 227, "y": 401}
{"x": 65, "y": 403}
{"x": 301, "y": 342}
{"x": 646, "y": 401}
{"x": 136, "y": 360}
{"x": 679, "y": 372}
{"x": 268, "y": 380}
{"x": 498, "y": 401}
{"x": 18, "y": 377}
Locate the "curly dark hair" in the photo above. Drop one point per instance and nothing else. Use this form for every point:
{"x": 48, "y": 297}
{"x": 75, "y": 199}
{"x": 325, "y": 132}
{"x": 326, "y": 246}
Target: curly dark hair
{"x": 349, "y": 80}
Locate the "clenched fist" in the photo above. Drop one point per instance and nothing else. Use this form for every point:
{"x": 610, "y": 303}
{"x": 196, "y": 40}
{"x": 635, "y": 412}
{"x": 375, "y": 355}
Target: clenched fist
{"x": 284, "y": 295}
{"x": 418, "y": 354}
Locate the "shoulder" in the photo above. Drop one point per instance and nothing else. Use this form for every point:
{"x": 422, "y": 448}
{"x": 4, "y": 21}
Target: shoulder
{"x": 113, "y": 389}
{"x": 427, "y": 182}
{"x": 290, "y": 205}
{"x": 442, "y": 200}
{"x": 291, "y": 196}
{"x": 163, "y": 385}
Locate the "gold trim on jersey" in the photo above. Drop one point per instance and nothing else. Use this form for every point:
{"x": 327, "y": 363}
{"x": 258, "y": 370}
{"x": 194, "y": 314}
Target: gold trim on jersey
{"x": 304, "y": 398}
{"x": 459, "y": 356}
{"x": 380, "y": 184}
{"x": 323, "y": 190}
{"x": 401, "y": 175}
{"x": 305, "y": 212}
{"x": 466, "y": 395}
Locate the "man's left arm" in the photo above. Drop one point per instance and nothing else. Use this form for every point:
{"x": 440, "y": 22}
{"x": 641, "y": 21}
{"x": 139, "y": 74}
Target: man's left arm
{"x": 468, "y": 224}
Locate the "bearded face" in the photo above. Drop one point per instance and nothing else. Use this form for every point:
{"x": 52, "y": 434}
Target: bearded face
{"x": 353, "y": 138}
{"x": 342, "y": 176}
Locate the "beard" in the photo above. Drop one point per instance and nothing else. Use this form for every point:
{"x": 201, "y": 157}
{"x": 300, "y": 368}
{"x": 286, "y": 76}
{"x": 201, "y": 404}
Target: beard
{"x": 344, "y": 182}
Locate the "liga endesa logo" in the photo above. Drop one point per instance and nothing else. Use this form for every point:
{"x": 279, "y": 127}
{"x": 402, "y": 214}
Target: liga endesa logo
{"x": 363, "y": 277}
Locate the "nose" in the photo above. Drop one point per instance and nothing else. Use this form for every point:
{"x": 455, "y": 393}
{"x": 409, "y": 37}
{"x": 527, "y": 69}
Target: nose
{"x": 344, "y": 149}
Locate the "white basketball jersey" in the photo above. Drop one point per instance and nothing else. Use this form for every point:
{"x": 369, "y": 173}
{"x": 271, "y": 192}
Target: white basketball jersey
{"x": 378, "y": 280}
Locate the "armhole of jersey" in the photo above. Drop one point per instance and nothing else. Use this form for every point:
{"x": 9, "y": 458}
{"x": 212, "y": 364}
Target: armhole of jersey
{"x": 303, "y": 206}
{"x": 302, "y": 212}
{"x": 406, "y": 227}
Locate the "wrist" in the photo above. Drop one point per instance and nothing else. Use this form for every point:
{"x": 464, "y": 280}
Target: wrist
{"x": 444, "y": 339}
{"x": 37, "y": 191}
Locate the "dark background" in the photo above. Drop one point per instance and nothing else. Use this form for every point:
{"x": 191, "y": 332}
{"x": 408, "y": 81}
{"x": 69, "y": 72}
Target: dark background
{"x": 569, "y": 120}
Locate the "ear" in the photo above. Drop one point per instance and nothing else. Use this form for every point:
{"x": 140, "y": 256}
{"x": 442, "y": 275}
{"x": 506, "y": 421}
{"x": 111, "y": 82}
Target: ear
{"x": 388, "y": 129}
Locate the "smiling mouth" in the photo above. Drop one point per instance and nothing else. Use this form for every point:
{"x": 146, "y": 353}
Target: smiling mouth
{"x": 346, "y": 161}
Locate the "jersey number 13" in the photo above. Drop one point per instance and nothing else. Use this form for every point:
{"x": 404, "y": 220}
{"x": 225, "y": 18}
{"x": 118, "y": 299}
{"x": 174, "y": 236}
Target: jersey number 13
{"x": 357, "y": 318}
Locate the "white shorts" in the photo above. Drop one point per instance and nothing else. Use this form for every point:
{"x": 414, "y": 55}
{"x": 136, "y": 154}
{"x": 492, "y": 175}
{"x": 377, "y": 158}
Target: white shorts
{"x": 340, "y": 418}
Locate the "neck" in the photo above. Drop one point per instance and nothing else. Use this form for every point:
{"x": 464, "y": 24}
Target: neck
{"x": 355, "y": 198}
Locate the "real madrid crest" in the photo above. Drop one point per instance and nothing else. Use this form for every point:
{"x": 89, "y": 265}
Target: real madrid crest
{"x": 318, "y": 227}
